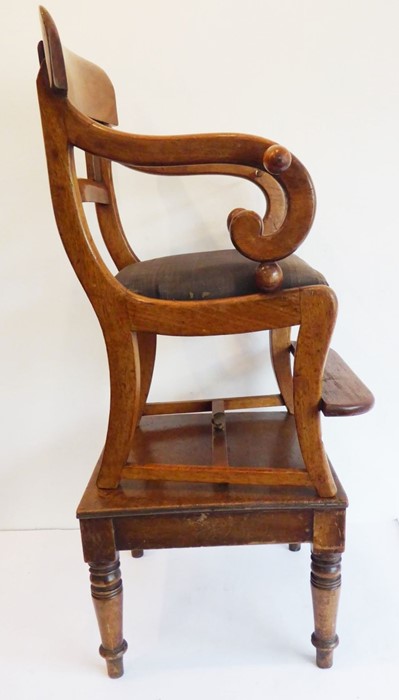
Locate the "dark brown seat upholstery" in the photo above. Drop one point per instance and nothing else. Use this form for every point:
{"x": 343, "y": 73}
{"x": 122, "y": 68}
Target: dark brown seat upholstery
{"x": 210, "y": 275}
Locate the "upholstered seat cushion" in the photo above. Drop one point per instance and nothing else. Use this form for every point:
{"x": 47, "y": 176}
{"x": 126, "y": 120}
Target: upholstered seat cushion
{"x": 211, "y": 275}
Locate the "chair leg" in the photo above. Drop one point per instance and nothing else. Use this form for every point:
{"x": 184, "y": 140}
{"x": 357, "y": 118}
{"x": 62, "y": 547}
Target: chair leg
{"x": 294, "y": 547}
{"x": 280, "y": 341}
{"x": 318, "y": 313}
{"x": 124, "y": 370}
{"x": 147, "y": 348}
{"x": 106, "y": 591}
{"x": 325, "y": 583}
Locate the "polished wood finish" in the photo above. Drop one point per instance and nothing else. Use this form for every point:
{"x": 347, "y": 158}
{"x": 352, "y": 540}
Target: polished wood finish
{"x": 108, "y": 217}
{"x": 91, "y": 191}
{"x": 126, "y": 317}
{"x": 153, "y": 515}
{"x": 73, "y": 76}
{"x": 326, "y": 585}
{"x": 343, "y": 393}
{"x": 216, "y": 474}
{"x": 277, "y": 159}
{"x": 262, "y": 439}
{"x": 317, "y": 323}
{"x": 106, "y": 591}
{"x": 280, "y": 347}
{"x": 294, "y": 547}
{"x": 143, "y": 514}
{"x": 269, "y": 277}
{"x": 197, "y": 472}
{"x": 202, "y": 405}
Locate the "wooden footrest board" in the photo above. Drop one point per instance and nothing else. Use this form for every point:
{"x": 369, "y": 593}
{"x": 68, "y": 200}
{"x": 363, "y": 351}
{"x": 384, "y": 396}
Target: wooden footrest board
{"x": 343, "y": 394}
{"x": 263, "y": 442}
{"x": 257, "y": 449}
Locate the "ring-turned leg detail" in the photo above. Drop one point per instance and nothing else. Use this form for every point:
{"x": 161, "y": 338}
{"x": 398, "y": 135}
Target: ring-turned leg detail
{"x": 326, "y": 582}
{"x": 106, "y": 591}
{"x": 294, "y": 547}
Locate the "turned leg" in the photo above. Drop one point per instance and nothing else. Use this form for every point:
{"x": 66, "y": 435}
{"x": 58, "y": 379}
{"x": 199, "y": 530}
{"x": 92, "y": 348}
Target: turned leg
{"x": 326, "y": 582}
{"x": 294, "y": 547}
{"x": 106, "y": 591}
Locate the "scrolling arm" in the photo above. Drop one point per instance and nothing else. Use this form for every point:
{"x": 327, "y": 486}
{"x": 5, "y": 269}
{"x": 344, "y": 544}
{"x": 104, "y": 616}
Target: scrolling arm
{"x": 283, "y": 179}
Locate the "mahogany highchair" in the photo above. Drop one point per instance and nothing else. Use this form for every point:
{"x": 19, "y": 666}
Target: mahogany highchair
{"x": 209, "y": 471}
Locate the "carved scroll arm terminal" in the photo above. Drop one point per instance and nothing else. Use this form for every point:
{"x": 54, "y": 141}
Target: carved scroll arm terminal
{"x": 283, "y": 179}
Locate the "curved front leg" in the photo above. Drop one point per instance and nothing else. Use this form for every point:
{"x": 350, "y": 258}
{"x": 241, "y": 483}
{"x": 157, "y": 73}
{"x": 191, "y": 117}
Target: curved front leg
{"x": 124, "y": 368}
{"x": 318, "y": 314}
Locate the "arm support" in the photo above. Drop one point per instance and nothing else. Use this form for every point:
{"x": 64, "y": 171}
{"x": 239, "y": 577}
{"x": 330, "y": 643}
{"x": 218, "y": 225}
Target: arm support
{"x": 272, "y": 168}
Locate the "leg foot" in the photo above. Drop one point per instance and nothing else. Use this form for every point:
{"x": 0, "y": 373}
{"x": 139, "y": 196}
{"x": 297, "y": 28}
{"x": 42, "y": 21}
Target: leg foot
{"x": 326, "y": 583}
{"x": 324, "y": 656}
{"x": 137, "y": 553}
{"x": 114, "y": 660}
{"x": 294, "y": 547}
{"x": 106, "y": 591}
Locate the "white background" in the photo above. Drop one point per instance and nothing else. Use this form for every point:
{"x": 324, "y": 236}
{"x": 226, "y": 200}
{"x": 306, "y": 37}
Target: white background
{"x": 318, "y": 77}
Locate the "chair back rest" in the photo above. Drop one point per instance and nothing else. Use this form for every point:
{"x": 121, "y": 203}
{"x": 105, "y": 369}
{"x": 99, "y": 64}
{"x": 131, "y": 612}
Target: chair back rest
{"x": 68, "y": 85}
{"x": 86, "y": 86}
{"x": 78, "y": 107}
